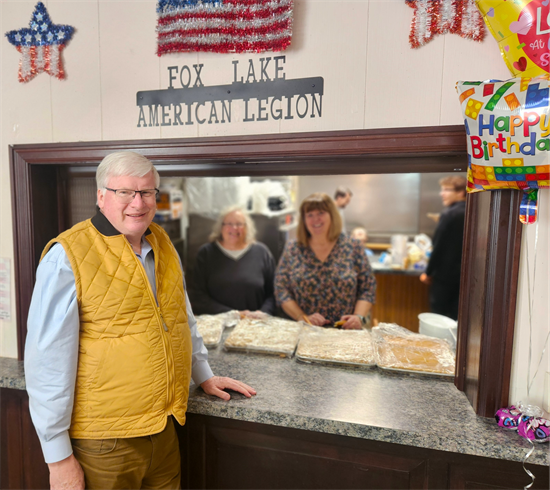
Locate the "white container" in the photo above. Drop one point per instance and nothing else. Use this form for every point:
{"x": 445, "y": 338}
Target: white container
{"x": 398, "y": 250}
{"x": 438, "y": 326}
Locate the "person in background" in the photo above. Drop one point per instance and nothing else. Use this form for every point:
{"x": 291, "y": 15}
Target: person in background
{"x": 324, "y": 276}
{"x": 112, "y": 342}
{"x": 233, "y": 271}
{"x": 443, "y": 271}
{"x": 362, "y": 236}
{"x": 342, "y": 197}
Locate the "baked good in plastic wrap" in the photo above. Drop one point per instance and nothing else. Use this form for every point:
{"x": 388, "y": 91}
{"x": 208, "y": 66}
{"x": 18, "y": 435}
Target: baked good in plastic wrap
{"x": 335, "y": 346}
{"x": 211, "y": 326}
{"x": 400, "y": 349}
{"x": 269, "y": 335}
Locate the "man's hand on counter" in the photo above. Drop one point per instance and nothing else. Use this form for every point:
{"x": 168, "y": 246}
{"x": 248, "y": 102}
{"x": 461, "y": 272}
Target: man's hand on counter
{"x": 216, "y": 384}
{"x": 66, "y": 474}
{"x": 425, "y": 278}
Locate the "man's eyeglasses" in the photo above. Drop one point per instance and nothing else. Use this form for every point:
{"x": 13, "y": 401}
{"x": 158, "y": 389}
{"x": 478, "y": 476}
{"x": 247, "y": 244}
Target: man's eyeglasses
{"x": 233, "y": 225}
{"x": 126, "y": 196}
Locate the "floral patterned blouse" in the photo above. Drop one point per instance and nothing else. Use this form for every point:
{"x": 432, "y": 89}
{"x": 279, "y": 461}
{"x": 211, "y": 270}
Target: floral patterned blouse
{"x": 330, "y": 288}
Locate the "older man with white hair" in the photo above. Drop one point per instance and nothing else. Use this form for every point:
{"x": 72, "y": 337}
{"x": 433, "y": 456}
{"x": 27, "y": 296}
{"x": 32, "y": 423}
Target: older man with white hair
{"x": 112, "y": 342}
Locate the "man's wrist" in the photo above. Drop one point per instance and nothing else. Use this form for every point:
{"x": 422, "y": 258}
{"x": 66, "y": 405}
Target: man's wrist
{"x": 201, "y": 372}
{"x": 362, "y": 319}
{"x": 58, "y": 448}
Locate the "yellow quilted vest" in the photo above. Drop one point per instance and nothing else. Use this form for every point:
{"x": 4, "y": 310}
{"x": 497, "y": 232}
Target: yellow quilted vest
{"x": 134, "y": 363}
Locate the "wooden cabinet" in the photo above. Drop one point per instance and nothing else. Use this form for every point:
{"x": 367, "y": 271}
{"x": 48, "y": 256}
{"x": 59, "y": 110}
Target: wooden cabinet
{"x": 400, "y": 298}
{"x": 224, "y": 453}
{"x": 476, "y": 477}
{"x": 21, "y": 461}
{"x": 230, "y": 454}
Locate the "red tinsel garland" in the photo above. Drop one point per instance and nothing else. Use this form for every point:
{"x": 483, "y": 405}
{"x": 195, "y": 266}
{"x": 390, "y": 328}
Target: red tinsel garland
{"x": 433, "y": 17}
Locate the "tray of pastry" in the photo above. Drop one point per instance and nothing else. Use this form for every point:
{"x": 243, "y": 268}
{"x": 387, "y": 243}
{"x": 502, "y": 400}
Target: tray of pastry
{"x": 268, "y": 335}
{"x": 211, "y": 326}
{"x": 399, "y": 349}
{"x": 335, "y": 346}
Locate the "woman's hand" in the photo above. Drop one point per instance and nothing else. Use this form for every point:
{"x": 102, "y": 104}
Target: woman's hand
{"x": 353, "y": 322}
{"x": 317, "y": 319}
{"x": 253, "y": 314}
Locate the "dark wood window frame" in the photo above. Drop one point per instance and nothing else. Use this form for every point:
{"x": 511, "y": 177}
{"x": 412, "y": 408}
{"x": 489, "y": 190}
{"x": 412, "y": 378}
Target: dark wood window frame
{"x": 39, "y": 175}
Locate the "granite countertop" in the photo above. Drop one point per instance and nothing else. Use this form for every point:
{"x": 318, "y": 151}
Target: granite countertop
{"x": 12, "y": 374}
{"x": 412, "y": 410}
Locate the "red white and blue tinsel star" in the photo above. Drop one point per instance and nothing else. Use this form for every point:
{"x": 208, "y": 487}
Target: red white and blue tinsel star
{"x": 40, "y": 45}
{"x": 433, "y": 17}
{"x": 224, "y": 26}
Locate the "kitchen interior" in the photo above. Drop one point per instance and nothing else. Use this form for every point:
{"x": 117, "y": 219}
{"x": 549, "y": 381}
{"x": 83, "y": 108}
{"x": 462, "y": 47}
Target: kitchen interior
{"x": 422, "y": 442}
{"x": 399, "y": 212}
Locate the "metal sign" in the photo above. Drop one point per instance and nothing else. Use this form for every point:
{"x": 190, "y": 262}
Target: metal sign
{"x": 263, "y": 90}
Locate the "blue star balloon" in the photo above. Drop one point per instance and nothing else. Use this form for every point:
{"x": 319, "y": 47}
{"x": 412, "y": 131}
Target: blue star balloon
{"x": 40, "y": 45}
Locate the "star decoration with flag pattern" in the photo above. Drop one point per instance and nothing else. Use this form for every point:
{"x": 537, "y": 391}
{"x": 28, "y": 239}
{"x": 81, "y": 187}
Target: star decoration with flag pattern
{"x": 40, "y": 45}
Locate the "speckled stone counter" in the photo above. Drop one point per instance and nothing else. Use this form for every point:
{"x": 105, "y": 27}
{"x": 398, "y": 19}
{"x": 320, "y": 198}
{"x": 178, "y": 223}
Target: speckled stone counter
{"x": 412, "y": 410}
{"x": 12, "y": 374}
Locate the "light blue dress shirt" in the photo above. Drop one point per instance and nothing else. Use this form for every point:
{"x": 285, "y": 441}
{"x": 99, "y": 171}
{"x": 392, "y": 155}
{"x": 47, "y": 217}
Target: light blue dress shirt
{"x": 51, "y": 349}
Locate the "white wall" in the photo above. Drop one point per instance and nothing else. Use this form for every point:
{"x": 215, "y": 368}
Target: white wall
{"x": 530, "y": 361}
{"x": 372, "y": 79}
{"x": 372, "y": 205}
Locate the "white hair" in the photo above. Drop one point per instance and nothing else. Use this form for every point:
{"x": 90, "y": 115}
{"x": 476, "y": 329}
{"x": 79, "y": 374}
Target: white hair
{"x": 124, "y": 163}
{"x": 250, "y": 235}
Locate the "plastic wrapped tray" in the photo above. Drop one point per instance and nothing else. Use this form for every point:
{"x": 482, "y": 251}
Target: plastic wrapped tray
{"x": 334, "y": 346}
{"x": 269, "y": 335}
{"x": 211, "y": 326}
{"x": 399, "y": 349}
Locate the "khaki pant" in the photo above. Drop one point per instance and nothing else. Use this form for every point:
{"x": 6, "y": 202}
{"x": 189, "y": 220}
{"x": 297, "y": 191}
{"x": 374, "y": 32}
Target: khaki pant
{"x": 138, "y": 462}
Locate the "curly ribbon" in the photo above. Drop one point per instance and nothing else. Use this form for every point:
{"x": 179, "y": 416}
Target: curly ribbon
{"x": 530, "y": 304}
{"x": 530, "y": 300}
{"x": 531, "y": 410}
{"x": 530, "y": 380}
{"x": 526, "y": 469}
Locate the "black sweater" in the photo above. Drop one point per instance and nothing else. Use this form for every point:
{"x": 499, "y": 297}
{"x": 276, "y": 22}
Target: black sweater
{"x": 444, "y": 264}
{"x": 223, "y": 283}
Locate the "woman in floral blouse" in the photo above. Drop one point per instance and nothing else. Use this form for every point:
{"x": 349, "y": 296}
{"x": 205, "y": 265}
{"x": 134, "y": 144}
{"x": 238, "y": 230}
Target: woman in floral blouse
{"x": 324, "y": 276}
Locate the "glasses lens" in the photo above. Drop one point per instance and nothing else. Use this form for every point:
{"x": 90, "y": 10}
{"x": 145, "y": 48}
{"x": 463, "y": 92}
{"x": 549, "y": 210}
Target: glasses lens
{"x": 149, "y": 194}
{"x": 125, "y": 195}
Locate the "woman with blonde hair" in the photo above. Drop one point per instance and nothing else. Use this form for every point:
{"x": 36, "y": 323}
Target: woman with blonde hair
{"x": 233, "y": 271}
{"x": 324, "y": 276}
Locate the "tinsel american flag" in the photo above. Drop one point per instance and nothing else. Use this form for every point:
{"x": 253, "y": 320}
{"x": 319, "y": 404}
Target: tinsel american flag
{"x": 224, "y": 26}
